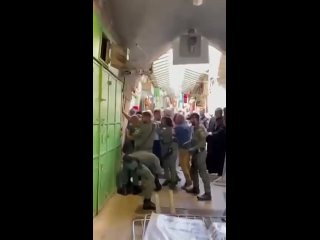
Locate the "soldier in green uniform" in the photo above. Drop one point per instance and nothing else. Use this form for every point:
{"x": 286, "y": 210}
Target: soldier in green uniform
{"x": 125, "y": 174}
{"x": 147, "y": 178}
{"x": 144, "y": 134}
{"x": 197, "y": 147}
{"x": 169, "y": 152}
{"x": 143, "y": 138}
{"x": 148, "y": 159}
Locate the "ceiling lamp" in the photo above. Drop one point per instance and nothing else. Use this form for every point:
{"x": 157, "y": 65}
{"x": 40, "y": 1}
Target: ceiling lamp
{"x": 197, "y": 2}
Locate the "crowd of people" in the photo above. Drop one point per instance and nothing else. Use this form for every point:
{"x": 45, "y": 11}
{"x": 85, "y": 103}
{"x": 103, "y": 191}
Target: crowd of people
{"x": 155, "y": 141}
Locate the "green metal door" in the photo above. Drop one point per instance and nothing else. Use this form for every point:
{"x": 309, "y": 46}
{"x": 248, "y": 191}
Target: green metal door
{"x": 103, "y": 180}
{"x": 118, "y": 112}
{"x": 112, "y": 100}
{"x": 96, "y": 129}
{"x": 106, "y": 177}
{"x": 113, "y": 174}
{"x": 95, "y": 185}
{"x": 96, "y": 78}
{"x": 118, "y": 158}
{"x": 107, "y": 105}
{"x": 95, "y": 141}
{"x": 95, "y": 167}
{"x": 117, "y": 135}
{"x": 111, "y": 135}
{"x": 96, "y": 102}
{"x": 107, "y": 132}
{"x": 104, "y": 113}
{"x": 118, "y": 101}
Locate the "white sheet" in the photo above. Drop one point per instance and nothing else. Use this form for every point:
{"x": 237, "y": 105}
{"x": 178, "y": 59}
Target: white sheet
{"x": 163, "y": 227}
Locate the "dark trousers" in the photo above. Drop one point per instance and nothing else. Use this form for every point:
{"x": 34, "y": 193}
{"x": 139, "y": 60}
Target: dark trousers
{"x": 215, "y": 162}
{"x": 157, "y": 150}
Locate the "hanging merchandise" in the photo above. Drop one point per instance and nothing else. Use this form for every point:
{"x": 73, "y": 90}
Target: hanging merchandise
{"x": 180, "y": 105}
{"x": 134, "y": 100}
{"x": 192, "y": 102}
{"x": 173, "y": 102}
{"x": 167, "y": 102}
{"x": 185, "y": 98}
{"x": 147, "y": 103}
{"x": 156, "y": 97}
{"x": 152, "y": 103}
{"x": 136, "y": 108}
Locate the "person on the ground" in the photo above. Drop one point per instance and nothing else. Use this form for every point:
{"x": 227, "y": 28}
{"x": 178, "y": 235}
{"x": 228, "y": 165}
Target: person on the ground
{"x": 124, "y": 184}
{"x": 169, "y": 152}
{"x": 183, "y": 134}
{"x": 144, "y": 135}
{"x": 212, "y": 123}
{"x": 197, "y": 147}
{"x": 147, "y": 180}
{"x": 156, "y": 144}
{"x": 216, "y": 148}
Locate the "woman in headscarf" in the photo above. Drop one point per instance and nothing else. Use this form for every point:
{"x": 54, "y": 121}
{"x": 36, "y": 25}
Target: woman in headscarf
{"x": 216, "y": 148}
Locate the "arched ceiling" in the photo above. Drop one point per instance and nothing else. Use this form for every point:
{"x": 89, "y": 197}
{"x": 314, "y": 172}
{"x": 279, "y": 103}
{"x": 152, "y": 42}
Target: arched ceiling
{"x": 147, "y": 27}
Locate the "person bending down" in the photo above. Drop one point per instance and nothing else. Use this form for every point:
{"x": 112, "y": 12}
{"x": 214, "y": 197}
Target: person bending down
{"x": 151, "y": 161}
{"x": 147, "y": 181}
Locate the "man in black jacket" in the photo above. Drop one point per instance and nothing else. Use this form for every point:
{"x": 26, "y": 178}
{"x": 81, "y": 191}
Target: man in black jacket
{"x": 216, "y": 147}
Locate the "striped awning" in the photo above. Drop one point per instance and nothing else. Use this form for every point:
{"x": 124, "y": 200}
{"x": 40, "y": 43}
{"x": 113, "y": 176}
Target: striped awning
{"x": 177, "y": 79}
{"x": 193, "y": 81}
{"x": 161, "y": 73}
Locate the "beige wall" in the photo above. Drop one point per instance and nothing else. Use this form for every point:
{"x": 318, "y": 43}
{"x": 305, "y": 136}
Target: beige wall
{"x": 222, "y": 71}
{"x": 217, "y": 92}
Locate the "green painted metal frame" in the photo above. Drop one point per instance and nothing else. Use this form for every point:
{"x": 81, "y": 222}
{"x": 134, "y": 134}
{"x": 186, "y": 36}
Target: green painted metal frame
{"x": 95, "y": 197}
{"x": 108, "y": 162}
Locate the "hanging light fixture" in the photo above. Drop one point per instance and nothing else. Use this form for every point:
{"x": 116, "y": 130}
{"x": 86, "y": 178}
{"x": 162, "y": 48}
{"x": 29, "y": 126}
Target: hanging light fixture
{"x": 197, "y": 2}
